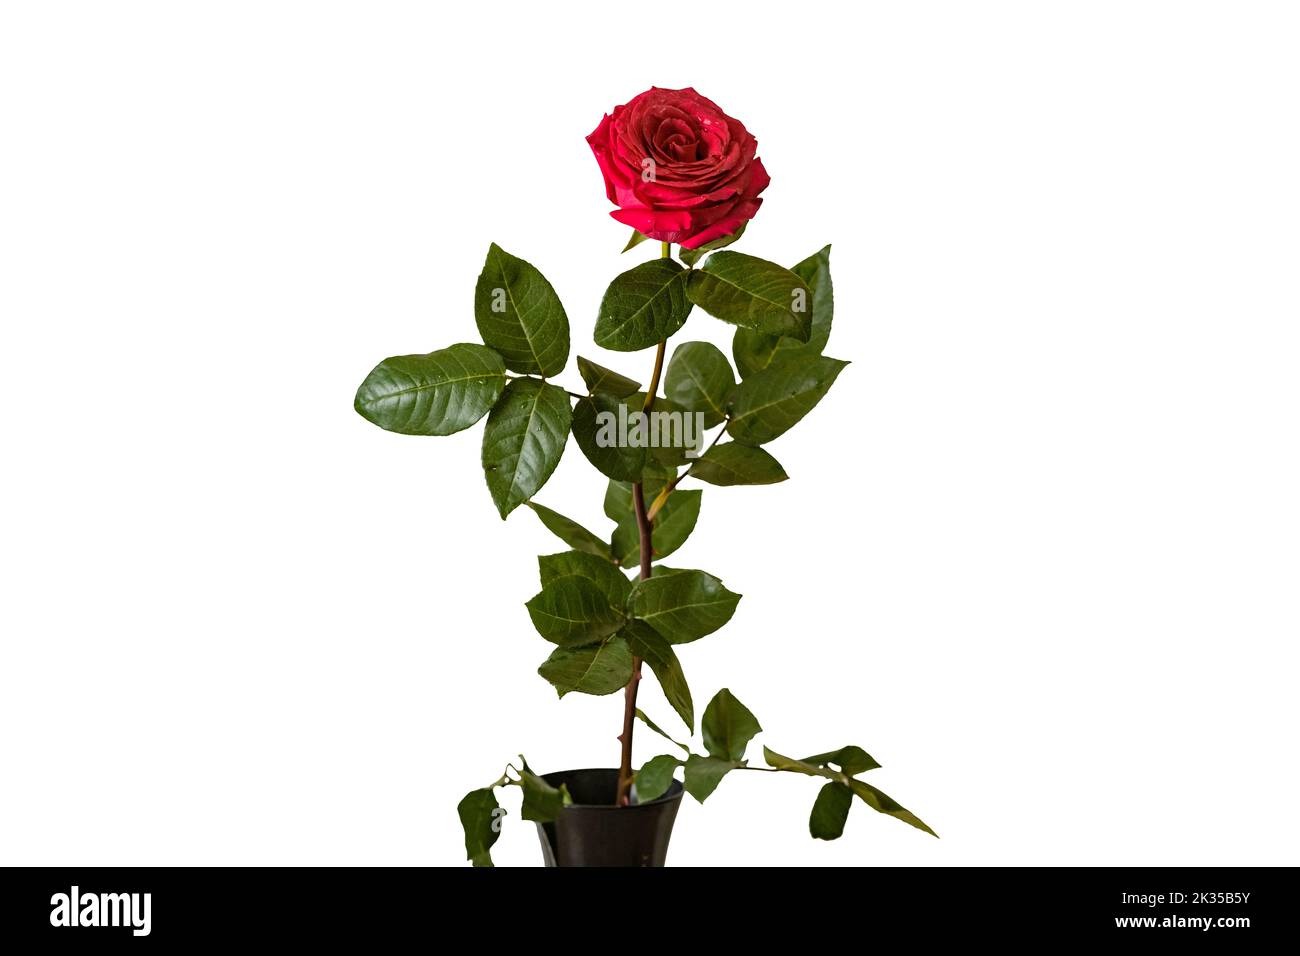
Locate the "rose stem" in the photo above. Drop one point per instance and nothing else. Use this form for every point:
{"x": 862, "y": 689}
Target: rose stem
{"x": 644, "y": 533}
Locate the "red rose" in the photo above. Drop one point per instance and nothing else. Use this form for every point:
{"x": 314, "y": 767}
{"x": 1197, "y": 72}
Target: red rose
{"x": 679, "y": 169}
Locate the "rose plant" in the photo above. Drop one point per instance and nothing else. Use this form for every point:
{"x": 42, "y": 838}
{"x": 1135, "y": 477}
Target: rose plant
{"x": 684, "y": 173}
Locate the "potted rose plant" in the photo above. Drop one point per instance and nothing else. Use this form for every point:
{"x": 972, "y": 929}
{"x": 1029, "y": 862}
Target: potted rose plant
{"x": 684, "y": 173}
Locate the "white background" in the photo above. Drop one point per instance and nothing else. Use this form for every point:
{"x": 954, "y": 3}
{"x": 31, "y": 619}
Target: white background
{"x": 1038, "y": 553}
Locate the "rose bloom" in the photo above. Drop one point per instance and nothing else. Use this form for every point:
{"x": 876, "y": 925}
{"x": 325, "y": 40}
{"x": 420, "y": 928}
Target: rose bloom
{"x": 679, "y": 169}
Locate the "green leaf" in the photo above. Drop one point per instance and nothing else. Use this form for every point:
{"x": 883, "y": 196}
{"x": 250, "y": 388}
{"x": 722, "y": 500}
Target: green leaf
{"x": 703, "y": 774}
{"x": 830, "y": 811}
{"x": 755, "y": 351}
{"x": 434, "y": 394}
{"x": 781, "y": 762}
{"x": 728, "y": 726}
{"x": 752, "y": 293}
{"x": 635, "y": 240}
{"x": 640, "y": 715}
{"x": 599, "y": 571}
{"x": 846, "y": 757}
{"x": 570, "y": 532}
{"x": 523, "y": 440}
{"x": 643, "y": 306}
{"x": 542, "y": 802}
{"x": 850, "y": 760}
{"x": 819, "y": 766}
{"x": 883, "y": 803}
{"x": 479, "y": 816}
{"x": 732, "y": 463}
{"x": 816, "y": 271}
{"x": 669, "y": 529}
{"x": 572, "y": 611}
{"x": 625, "y": 544}
{"x": 618, "y": 494}
{"x": 601, "y": 379}
{"x": 599, "y": 669}
{"x": 769, "y": 403}
{"x": 662, "y": 570}
{"x": 595, "y": 427}
{"x": 647, "y": 644}
{"x": 683, "y": 606}
{"x": 675, "y": 521}
{"x": 655, "y": 777}
{"x": 692, "y": 256}
{"x": 519, "y": 315}
{"x": 700, "y": 380}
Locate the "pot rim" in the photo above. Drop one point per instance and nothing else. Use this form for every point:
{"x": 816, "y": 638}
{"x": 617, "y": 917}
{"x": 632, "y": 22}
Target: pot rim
{"x": 674, "y": 793}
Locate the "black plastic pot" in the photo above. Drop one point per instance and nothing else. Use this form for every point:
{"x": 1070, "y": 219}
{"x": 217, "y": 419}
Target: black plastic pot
{"x": 593, "y": 832}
